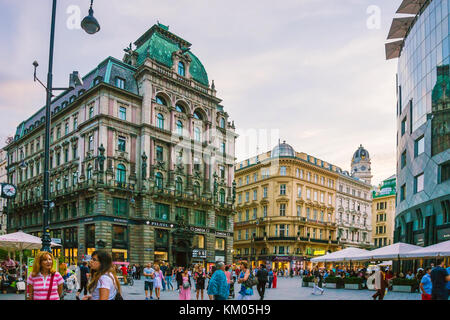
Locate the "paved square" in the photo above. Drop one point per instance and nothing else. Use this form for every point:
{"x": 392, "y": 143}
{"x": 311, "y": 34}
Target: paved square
{"x": 287, "y": 289}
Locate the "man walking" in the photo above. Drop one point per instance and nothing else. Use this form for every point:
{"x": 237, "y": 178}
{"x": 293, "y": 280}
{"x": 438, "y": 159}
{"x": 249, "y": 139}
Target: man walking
{"x": 149, "y": 274}
{"x": 163, "y": 270}
{"x": 380, "y": 284}
{"x": 439, "y": 279}
{"x": 262, "y": 275}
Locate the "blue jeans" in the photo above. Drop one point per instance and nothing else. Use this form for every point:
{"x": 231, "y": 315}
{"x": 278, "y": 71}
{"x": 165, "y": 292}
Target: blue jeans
{"x": 169, "y": 282}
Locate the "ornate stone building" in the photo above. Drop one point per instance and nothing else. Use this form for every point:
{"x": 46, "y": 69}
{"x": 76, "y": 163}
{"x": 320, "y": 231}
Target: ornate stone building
{"x": 3, "y": 179}
{"x": 285, "y": 208}
{"x": 354, "y": 202}
{"x": 383, "y": 213}
{"x": 142, "y": 160}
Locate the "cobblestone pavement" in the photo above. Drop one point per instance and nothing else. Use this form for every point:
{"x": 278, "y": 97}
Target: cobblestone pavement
{"x": 287, "y": 289}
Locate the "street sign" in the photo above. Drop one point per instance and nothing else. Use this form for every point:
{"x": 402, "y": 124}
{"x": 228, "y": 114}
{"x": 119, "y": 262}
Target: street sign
{"x": 56, "y": 240}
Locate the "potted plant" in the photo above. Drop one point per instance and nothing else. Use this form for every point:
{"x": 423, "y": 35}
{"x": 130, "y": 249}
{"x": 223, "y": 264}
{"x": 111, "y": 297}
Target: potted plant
{"x": 404, "y": 285}
{"x": 308, "y": 281}
{"x": 353, "y": 283}
{"x": 333, "y": 282}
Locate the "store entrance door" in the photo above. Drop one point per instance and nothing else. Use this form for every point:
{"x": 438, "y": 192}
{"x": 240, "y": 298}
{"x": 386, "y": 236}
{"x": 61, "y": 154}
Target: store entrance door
{"x": 180, "y": 259}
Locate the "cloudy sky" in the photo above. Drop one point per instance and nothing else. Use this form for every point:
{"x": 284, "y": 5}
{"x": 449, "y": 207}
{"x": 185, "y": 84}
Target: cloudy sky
{"x": 312, "y": 72}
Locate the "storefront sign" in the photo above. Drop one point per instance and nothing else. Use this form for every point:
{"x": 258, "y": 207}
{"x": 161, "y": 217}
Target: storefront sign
{"x": 56, "y": 240}
{"x": 161, "y": 224}
{"x": 220, "y": 258}
{"x": 148, "y": 249}
{"x": 120, "y": 220}
{"x": 199, "y": 253}
{"x": 88, "y": 220}
{"x": 419, "y": 239}
{"x": 443, "y": 234}
{"x": 199, "y": 230}
{"x": 278, "y": 258}
{"x": 319, "y": 252}
{"x": 223, "y": 234}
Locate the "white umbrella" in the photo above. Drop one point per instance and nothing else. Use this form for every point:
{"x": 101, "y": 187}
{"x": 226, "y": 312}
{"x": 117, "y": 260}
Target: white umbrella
{"x": 21, "y": 241}
{"x": 339, "y": 255}
{"x": 437, "y": 250}
{"x": 394, "y": 251}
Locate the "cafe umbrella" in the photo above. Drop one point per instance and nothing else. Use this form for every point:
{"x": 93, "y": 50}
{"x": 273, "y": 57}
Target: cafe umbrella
{"x": 19, "y": 241}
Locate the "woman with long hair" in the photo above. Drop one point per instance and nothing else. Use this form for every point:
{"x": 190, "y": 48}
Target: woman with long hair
{"x": 199, "y": 278}
{"x": 44, "y": 283}
{"x": 104, "y": 284}
{"x": 157, "y": 281}
{"x": 245, "y": 293}
{"x": 185, "y": 288}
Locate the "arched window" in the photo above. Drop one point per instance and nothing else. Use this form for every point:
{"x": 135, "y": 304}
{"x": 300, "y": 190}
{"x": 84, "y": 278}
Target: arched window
{"x": 222, "y": 123}
{"x": 160, "y": 121}
{"x": 180, "y": 127}
{"x": 179, "y": 108}
{"x": 160, "y": 100}
{"x": 197, "y": 134}
{"x": 89, "y": 173}
{"x": 198, "y": 116}
{"x": 179, "y": 185}
{"x": 121, "y": 173}
{"x": 181, "y": 71}
{"x": 222, "y": 196}
{"x": 197, "y": 188}
{"x": 159, "y": 180}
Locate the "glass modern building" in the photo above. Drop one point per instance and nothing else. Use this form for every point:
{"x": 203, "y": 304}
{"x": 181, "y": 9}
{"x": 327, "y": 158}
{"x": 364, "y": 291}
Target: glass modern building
{"x": 423, "y": 121}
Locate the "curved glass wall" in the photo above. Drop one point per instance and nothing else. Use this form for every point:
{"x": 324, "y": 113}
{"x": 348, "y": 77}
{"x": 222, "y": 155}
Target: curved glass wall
{"x": 426, "y": 47}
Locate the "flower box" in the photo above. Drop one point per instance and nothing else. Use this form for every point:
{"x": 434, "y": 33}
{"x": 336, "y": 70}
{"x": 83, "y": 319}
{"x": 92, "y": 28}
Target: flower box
{"x": 331, "y": 286}
{"x": 353, "y": 286}
{"x": 402, "y": 288}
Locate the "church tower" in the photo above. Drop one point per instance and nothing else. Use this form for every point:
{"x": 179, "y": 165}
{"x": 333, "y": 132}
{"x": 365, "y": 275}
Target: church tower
{"x": 360, "y": 165}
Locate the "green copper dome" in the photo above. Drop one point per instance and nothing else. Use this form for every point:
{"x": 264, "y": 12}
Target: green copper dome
{"x": 159, "y": 44}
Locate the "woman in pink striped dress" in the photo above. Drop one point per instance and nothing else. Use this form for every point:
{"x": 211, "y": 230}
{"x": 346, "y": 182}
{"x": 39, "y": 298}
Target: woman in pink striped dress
{"x": 185, "y": 288}
{"x": 44, "y": 283}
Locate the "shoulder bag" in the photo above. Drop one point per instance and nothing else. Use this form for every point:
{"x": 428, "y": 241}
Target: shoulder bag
{"x": 49, "y": 293}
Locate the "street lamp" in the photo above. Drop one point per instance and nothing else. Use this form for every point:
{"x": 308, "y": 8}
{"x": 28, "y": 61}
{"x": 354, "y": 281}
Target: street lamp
{"x": 89, "y": 23}
{"x": 88, "y": 26}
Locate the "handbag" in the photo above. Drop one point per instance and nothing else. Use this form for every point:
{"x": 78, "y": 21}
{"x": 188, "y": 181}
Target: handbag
{"x": 251, "y": 281}
{"x": 50, "y": 287}
{"x": 186, "y": 285}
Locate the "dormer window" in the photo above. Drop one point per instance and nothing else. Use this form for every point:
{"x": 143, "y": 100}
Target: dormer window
{"x": 120, "y": 83}
{"x": 181, "y": 69}
{"x": 96, "y": 81}
{"x": 72, "y": 99}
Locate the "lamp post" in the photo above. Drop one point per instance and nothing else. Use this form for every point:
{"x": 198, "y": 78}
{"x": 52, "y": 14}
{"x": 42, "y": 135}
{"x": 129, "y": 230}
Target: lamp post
{"x": 90, "y": 25}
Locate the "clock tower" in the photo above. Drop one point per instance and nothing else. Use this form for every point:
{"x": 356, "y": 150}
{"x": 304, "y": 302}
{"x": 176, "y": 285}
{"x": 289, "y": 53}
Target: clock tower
{"x": 361, "y": 165}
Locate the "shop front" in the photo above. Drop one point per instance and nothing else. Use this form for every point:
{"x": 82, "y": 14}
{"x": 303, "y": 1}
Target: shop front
{"x": 89, "y": 239}
{"x": 70, "y": 245}
{"x": 119, "y": 243}
{"x": 161, "y": 246}
{"x": 199, "y": 257}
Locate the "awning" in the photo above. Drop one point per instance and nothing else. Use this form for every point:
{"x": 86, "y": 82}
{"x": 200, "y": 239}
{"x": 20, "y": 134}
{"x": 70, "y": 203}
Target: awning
{"x": 411, "y": 6}
{"x": 342, "y": 255}
{"x": 437, "y": 250}
{"x": 399, "y": 27}
{"x": 393, "y": 49}
{"x": 391, "y": 252}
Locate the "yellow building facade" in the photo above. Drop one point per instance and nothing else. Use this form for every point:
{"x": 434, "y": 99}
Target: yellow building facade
{"x": 285, "y": 209}
{"x": 383, "y": 213}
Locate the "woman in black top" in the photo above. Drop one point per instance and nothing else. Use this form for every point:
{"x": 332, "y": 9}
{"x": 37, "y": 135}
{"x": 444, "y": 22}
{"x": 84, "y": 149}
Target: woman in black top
{"x": 199, "y": 277}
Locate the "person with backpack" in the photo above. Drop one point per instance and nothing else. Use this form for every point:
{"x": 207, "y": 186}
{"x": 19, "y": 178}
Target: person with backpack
{"x": 246, "y": 280}
{"x": 104, "y": 284}
{"x": 262, "y": 275}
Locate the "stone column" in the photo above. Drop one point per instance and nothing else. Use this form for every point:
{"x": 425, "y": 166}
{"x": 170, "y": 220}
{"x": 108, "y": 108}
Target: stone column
{"x": 81, "y": 242}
